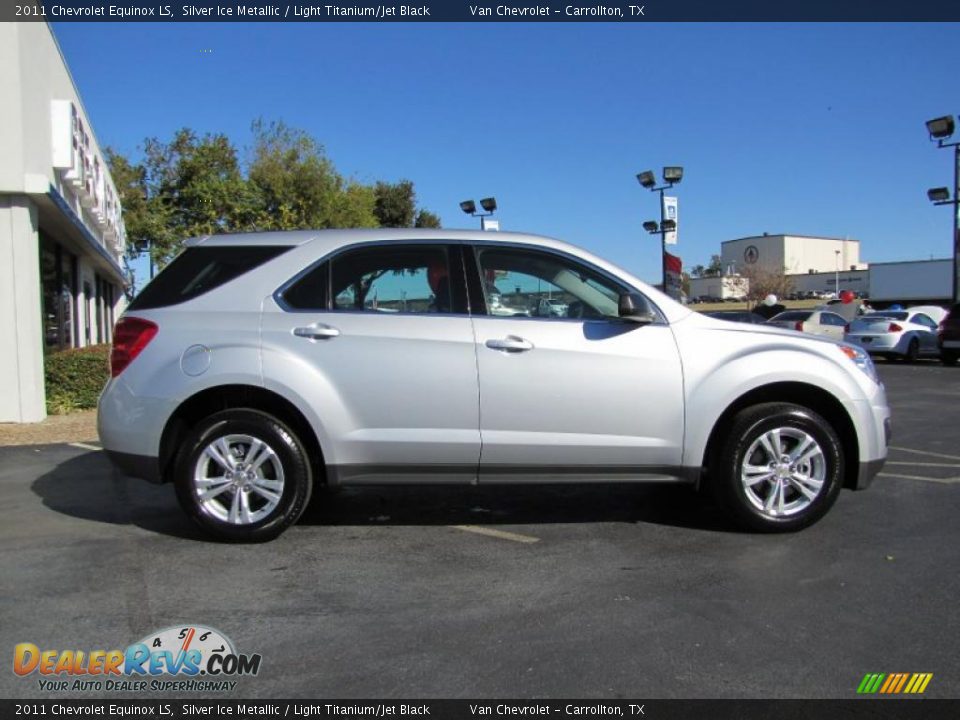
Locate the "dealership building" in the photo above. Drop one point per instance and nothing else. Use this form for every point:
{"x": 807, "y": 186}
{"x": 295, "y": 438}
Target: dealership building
{"x": 61, "y": 232}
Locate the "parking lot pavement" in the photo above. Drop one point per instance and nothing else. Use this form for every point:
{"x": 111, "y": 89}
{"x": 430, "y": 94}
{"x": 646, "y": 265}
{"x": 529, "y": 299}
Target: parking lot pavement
{"x": 617, "y": 592}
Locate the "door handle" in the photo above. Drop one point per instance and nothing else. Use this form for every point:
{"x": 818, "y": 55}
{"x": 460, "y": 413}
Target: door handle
{"x": 511, "y": 343}
{"x": 317, "y": 331}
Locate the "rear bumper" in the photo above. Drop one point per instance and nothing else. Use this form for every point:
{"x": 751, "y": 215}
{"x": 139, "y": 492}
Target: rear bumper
{"x": 138, "y": 466}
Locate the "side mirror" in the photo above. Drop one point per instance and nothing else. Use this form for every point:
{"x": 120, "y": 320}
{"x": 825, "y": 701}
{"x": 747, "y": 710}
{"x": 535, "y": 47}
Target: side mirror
{"x": 636, "y": 308}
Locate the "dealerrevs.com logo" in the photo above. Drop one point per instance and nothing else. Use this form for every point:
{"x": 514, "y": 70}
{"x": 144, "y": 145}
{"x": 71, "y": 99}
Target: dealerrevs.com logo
{"x": 198, "y": 658}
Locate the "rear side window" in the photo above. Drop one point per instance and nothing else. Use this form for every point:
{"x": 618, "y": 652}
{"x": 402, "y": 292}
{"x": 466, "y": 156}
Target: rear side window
{"x": 793, "y": 316}
{"x": 198, "y": 270}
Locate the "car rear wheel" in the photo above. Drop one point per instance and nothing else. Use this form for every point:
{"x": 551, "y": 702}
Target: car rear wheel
{"x": 779, "y": 469}
{"x": 913, "y": 351}
{"x": 243, "y": 476}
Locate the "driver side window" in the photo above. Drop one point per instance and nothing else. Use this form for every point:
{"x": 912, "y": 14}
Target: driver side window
{"x": 528, "y": 283}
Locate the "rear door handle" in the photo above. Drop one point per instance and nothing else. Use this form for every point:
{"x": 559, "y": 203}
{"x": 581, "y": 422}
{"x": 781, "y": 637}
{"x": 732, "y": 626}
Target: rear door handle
{"x": 511, "y": 343}
{"x": 317, "y": 331}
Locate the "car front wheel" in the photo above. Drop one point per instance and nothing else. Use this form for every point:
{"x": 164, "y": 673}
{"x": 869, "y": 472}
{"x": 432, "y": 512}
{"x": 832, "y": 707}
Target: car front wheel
{"x": 243, "y": 476}
{"x": 779, "y": 469}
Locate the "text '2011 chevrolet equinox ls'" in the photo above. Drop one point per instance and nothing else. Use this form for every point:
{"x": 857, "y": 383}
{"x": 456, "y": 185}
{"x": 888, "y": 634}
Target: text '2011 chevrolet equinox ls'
{"x": 257, "y": 365}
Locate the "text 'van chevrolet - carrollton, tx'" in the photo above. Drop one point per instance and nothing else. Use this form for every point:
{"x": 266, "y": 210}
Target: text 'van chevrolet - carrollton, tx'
{"x": 255, "y": 366}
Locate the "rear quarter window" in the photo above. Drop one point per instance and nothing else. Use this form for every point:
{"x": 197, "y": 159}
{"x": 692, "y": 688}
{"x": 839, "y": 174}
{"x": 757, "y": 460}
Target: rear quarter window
{"x": 198, "y": 270}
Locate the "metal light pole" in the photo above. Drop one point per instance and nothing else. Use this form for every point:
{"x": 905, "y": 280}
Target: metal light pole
{"x": 941, "y": 129}
{"x": 836, "y": 275}
{"x": 672, "y": 174}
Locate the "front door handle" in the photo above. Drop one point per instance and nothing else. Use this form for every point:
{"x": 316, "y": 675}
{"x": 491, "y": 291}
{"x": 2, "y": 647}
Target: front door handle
{"x": 511, "y": 343}
{"x": 317, "y": 331}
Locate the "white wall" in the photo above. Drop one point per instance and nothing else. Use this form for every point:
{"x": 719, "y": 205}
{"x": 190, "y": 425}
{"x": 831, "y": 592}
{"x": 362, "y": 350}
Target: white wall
{"x": 919, "y": 280}
{"x": 33, "y": 74}
{"x": 820, "y": 254}
{"x": 795, "y": 253}
{"x": 21, "y": 324}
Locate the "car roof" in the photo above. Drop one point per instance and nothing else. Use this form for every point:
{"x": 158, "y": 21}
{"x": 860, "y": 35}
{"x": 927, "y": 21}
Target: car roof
{"x": 350, "y": 235}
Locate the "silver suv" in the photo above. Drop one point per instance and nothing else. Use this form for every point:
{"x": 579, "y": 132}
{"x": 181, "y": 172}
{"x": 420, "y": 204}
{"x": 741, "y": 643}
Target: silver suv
{"x": 257, "y": 366}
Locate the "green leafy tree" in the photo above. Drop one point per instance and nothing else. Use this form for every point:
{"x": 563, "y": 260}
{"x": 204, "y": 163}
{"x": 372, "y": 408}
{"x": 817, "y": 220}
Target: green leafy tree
{"x": 298, "y": 187}
{"x": 427, "y": 219}
{"x": 196, "y": 185}
{"x": 395, "y": 204}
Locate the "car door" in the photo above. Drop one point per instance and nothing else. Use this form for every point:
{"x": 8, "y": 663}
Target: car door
{"x": 832, "y": 325}
{"x": 378, "y": 342}
{"x": 586, "y": 396}
{"x": 928, "y": 334}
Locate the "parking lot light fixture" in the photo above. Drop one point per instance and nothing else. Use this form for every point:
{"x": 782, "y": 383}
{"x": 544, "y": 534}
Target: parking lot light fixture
{"x": 941, "y": 128}
{"x": 489, "y": 205}
{"x": 938, "y": 195}
{"x": 647, "y": 179}
{"x": 672, "y": 174}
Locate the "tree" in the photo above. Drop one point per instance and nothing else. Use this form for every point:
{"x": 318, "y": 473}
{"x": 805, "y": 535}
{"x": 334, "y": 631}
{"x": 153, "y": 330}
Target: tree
{"x": 396, "y": 207}
{"x": 196, "y": 186}
{"x": 762, "y": 282}
{"x": 427, "y": 219}
{"x": 714, "y": 269}
{"x": 298, "y": 187}
{"x": 395, "y": 204}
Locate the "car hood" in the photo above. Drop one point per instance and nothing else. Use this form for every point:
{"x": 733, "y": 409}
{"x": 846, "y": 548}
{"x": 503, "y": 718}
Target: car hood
{"x": 728, "y": 326}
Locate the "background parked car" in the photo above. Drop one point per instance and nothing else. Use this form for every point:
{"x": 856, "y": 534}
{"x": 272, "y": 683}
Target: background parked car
{"x": 948, "y": 336}
{"x": 813, "y": 322}
{"x": 905, "y": 334}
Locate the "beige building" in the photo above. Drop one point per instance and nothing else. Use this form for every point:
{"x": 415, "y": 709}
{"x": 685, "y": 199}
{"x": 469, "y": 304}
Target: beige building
{"x": 793, "y": 254}
{"x": 61, "y": 232}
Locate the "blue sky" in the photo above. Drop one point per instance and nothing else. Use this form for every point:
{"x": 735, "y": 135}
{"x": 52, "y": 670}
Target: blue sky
{"x": 813, "y": 129}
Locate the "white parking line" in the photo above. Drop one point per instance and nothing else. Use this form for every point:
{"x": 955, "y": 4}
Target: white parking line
{"x": 941, "y": 481}
{"x": 922, "y": 464}
{"x": 502, "y": 534}
{"x": 84, "y": 446}
{"x": 926, "y": 452}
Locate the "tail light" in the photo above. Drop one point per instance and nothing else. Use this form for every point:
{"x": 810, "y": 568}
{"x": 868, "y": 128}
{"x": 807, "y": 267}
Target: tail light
{"x": 894, "y": 328}
{"x": 130, "y": 336}
{"x": 799, "y": 326}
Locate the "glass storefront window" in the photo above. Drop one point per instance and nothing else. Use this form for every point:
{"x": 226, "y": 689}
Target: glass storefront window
{"x": 57, "y": 271}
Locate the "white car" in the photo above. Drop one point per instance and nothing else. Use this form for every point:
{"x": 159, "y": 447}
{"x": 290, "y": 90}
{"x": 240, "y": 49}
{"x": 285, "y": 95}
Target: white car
{"x": 905, "y": 334}
{"x": 813, "y": 322}
{"x": 257, "y": 365}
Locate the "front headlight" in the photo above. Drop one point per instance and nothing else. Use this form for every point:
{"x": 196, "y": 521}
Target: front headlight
{"x": 860, "y": 358}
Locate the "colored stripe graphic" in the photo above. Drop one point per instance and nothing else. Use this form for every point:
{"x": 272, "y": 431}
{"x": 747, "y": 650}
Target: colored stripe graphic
{"x": 894, "y": 683}
{"x": 870, "y": 683}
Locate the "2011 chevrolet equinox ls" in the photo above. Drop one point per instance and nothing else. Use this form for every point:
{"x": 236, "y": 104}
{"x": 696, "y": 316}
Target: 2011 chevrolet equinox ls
{"x": 255, "y": 366}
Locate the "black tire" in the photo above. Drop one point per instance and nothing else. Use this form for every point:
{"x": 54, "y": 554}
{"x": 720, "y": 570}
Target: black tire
{"x": 913, "y": 351}
{"x": 287, "y": 464}
{"x": 745, "y": 437}
{"x": 948, "y": 358}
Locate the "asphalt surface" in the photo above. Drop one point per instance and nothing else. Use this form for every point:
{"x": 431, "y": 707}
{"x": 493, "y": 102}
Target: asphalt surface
{"x": 615, "y": 592}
